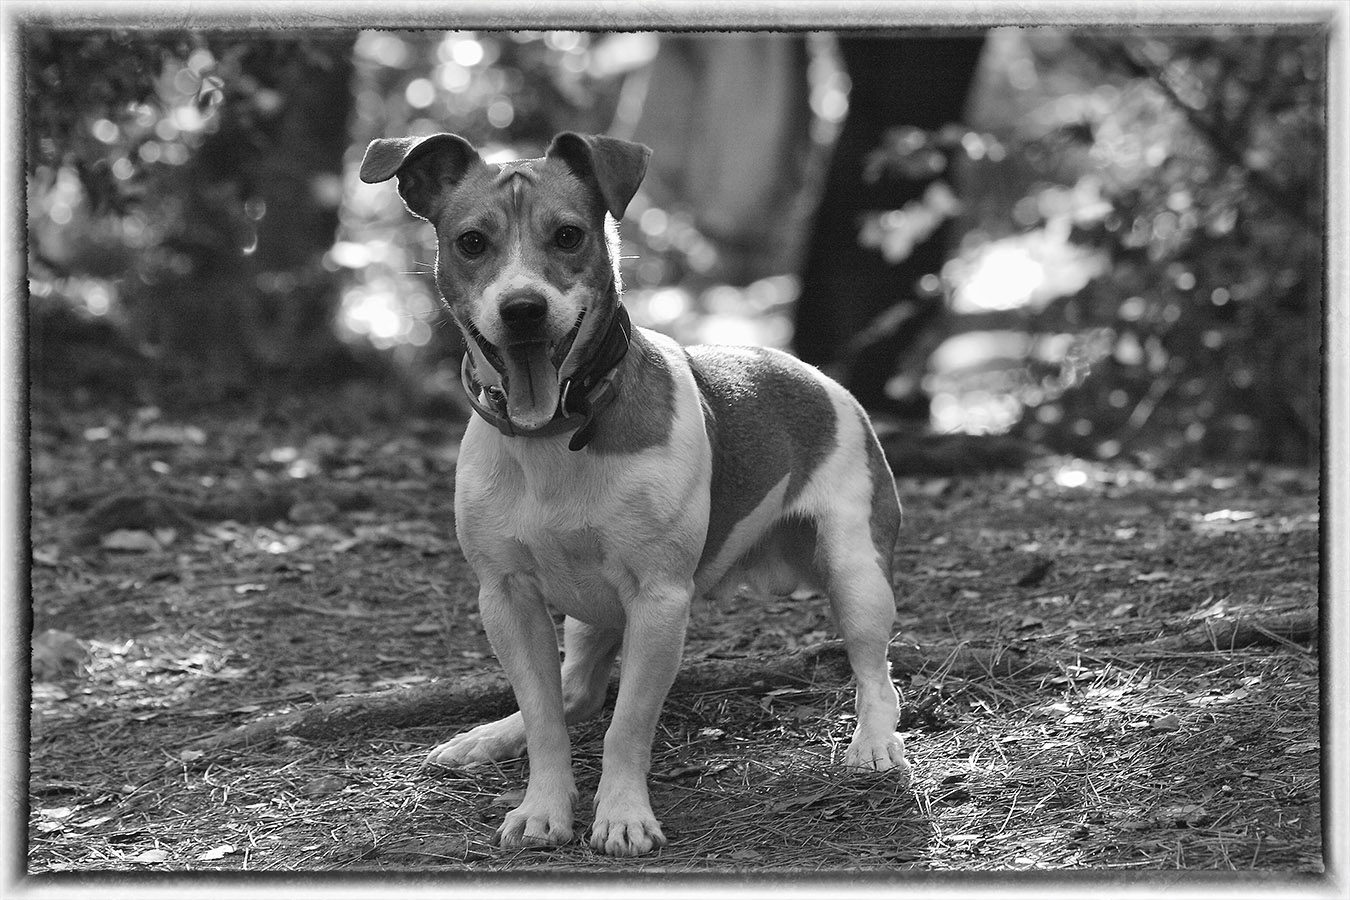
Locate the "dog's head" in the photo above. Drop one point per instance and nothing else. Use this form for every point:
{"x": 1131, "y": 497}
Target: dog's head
{"x": 526, "y": 254}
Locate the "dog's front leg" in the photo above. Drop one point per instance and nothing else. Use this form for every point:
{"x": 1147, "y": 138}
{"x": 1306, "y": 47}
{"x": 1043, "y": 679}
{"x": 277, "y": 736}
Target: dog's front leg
{"x": 652, "y": 645}
{"x": 522, "y": 635}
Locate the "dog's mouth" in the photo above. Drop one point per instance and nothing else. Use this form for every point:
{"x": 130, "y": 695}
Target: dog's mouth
{"x": 529, "y": 374}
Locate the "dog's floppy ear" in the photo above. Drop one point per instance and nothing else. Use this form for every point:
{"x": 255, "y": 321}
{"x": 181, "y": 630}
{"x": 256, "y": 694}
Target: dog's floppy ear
{"x": 616, "y": 166}
{"x": 426, "y": 166}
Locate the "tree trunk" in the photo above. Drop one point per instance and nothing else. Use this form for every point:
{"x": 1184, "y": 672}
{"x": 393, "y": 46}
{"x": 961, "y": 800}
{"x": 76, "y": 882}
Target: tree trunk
{"x": 896, "y": 81}
{"x": 259, "y": 209}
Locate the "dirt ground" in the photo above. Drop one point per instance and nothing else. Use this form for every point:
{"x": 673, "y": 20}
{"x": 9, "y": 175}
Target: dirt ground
{"x": 1143, "y": 696}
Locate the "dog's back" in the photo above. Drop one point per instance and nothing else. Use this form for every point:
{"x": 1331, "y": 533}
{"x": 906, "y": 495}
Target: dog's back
{"x": 785, "y": 441}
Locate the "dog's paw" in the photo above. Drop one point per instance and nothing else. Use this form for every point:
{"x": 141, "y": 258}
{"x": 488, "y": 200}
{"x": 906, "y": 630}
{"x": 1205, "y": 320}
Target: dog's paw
{"x": 885, "y": 753}
{"x": 489, "y": 743}
{"x": 537, "y": 824}
{"x": 630, "y": 833}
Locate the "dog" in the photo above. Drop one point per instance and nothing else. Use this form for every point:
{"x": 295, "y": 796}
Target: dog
{"x": 616, "y": 475}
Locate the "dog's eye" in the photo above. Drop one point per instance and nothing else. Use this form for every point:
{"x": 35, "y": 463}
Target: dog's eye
{"x": 472, "y": 243}
{"x": 568, "y": 237}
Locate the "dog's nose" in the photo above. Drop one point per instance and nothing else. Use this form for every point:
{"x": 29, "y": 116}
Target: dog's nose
{"x": 523, "y": 309}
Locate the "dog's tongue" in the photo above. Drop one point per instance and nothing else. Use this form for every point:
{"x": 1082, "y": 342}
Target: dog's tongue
{"x": 531, "y": 385}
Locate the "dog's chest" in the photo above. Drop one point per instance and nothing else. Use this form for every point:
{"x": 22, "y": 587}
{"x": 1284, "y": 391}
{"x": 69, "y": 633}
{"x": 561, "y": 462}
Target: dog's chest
{"x": 575, "y": 534}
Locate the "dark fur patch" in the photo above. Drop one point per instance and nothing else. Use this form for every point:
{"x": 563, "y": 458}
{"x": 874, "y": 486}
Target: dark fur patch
{"x": 644, "y": 411}
{"x": 767, "y": 417}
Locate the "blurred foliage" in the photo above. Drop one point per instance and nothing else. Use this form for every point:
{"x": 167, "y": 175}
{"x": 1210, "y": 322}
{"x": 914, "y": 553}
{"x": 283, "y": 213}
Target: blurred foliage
{"x": 183, "y": 189}
{"x": 1165, "y": 257}
{"x": 1144, "y": 252}
{"x": 497, "y": 89}
{"x": 1214, "y": 237}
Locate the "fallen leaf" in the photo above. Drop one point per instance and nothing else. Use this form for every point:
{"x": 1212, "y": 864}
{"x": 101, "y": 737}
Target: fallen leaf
{"x": 1228, "y": 515}
{"x": 45, "y": 690}
{"x": 220, "y": 852}
{"x": 161, "y": 435}
{"x": 129, "y": 540}
{"x": 1036, "y": 574}
{"x": 1306, "y": 747}
{"x": 49, "y": 555}
{"x": 1187, "y": 814}
{"x": 679, "y": 772}
{"x": 1208, "y": 700}
{"x": 1153, "y": 576}
{"x": 92, "y": 823}
{"x": 1055, "y": 710}
{"x": 803, "y": 802}
{"x": 57, "y": 653}
{"x": 1168, "y": 722}
{"x": 312, "y": 512}
{"x": 328, "y": 784}
{"x": 151, "y": 856}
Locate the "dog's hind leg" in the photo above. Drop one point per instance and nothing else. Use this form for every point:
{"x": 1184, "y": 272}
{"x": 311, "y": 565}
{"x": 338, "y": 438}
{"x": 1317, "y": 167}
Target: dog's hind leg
{"x": 863, "y": 603}
{"x": 864, "y": 608}
{"x": 588, "y": 658}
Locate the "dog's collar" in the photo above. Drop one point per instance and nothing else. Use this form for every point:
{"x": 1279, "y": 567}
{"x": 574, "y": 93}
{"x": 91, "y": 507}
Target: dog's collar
{"x": 583, "y": 395}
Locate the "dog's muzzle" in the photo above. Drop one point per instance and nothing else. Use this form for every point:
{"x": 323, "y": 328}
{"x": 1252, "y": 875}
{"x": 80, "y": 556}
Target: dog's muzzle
{"x": 582, "y": 395}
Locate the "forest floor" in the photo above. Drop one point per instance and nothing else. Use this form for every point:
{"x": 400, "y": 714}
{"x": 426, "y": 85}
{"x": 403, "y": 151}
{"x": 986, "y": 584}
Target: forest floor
{"x": 1103, "y": 668}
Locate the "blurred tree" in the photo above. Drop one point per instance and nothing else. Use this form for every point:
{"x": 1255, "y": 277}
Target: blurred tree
{"x": 209, "y": 175}
{"x": 1213, "y": 295}
{"x": 730, "y": 119}
{"x": 865, "y": 308}
{"x": 1189, "y": 166}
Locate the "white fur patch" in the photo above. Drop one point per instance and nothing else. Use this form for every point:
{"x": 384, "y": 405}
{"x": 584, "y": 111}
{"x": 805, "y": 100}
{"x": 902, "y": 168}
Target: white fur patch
{"x": 586, "y": 531}
{"x": 839, "y": 492}
{"x": 563, "y": 308}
